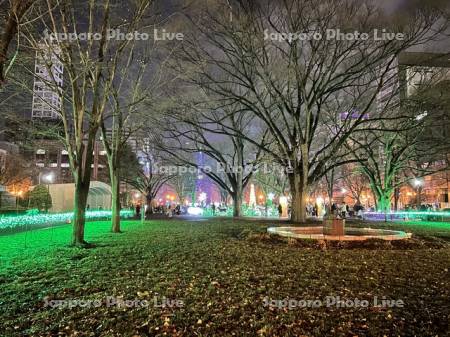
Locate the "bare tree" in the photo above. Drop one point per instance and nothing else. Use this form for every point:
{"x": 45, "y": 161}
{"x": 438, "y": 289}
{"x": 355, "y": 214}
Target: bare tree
{"x": 154, "y": 172}
{"x": 409, "y": 146}
{"x": 12, "y": 12}
{"x": 184, "y": 184}
{"x": 311, "y": 93}
{"x": 128, "y": 97}
{"x": 391, "y": 159}
{"x": 271, "y": 178}
{"x": 13, "y": 169}
{"x": 90, "y": 69}
{"x": 354, "y": 181}
{"x": 133, "y": 99}
{"x": 233, "y": 158}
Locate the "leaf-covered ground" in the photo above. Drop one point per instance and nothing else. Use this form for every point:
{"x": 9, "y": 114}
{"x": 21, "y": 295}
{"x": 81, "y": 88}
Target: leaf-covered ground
{"x": 221, "y": 271}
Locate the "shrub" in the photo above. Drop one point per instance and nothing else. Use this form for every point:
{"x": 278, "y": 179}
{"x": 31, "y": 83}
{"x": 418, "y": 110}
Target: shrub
{"x": 40, "y": 198}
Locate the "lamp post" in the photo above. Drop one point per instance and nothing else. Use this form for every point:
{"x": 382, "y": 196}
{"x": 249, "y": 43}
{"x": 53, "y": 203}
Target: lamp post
{"x": 418, "y": 183}
{"x": 143, "y": 201}
{"x": 49, "y": 179}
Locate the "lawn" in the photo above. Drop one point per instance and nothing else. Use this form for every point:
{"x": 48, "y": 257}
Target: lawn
{"x": 215, "y": 278}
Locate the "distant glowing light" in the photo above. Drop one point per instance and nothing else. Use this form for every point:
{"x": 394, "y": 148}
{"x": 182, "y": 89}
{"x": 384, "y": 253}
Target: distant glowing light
{"x": 195, "y": 210}
{"x": 422, "y": 115}
{"x": 270, "y": 196}
{"x": 17, "y": 193}
{"x": 49, "y": 177}
{"x": 202, "y": 197}
{"x": 344, "y": 190}
{"x": 252, "y": 201}
{"x": 417, "y": 182}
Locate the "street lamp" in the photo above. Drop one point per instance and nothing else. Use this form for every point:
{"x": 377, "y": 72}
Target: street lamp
{"x": 48, "y": 177}
{"x": 261, "y": 198}
{"x": 418, "y": 184}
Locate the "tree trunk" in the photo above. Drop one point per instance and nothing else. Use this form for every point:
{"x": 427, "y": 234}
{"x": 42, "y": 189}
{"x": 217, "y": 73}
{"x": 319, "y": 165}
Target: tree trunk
{"x": 384, "y": 201}
{"x": 237, "y": 203}
{"x": 79, "y": 219}
{"x": 299, "y": 196}
{"x": 115, "y": 203}
{"x": 330, "y": 189}
{"x": 419, "y": 198}
{"x": 237, "y": 195}
{"x": 396, "y": 198}
{"x": 149, "y": 199}
{"x": 12, "y": 21}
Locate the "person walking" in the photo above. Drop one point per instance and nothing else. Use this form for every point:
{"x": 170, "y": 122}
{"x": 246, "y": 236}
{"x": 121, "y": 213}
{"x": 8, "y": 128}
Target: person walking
{"x": 138, "y": 210}
{"x": 333, "y": 209}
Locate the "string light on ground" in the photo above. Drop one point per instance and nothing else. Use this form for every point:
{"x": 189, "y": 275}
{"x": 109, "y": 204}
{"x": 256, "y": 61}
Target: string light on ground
{"x": 54, "y": 218}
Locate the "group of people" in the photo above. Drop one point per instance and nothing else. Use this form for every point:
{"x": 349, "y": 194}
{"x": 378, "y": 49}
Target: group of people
{"x": 222, "y": 207}
{"x": 312, "y": 210}
{"x": 344, "y": 210}
{"x": 423, "y": 207}
{"x": 340, "y": 210}
{"x": 168, "y": 210}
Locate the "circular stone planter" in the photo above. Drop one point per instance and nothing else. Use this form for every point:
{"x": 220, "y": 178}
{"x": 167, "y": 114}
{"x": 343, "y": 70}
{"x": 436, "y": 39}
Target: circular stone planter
{"x": 351, "y": 234}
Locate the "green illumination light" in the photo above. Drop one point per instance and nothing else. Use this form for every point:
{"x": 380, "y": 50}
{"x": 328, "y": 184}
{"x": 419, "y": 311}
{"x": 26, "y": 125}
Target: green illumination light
{"x": 54, "y": 218}
{"x": 418, "y": 213}
{"x": 272, "y": 211}
{"x": 432, "y": 218}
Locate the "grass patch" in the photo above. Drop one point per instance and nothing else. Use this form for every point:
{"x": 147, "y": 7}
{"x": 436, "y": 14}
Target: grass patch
{"x": 222, "y": 270}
